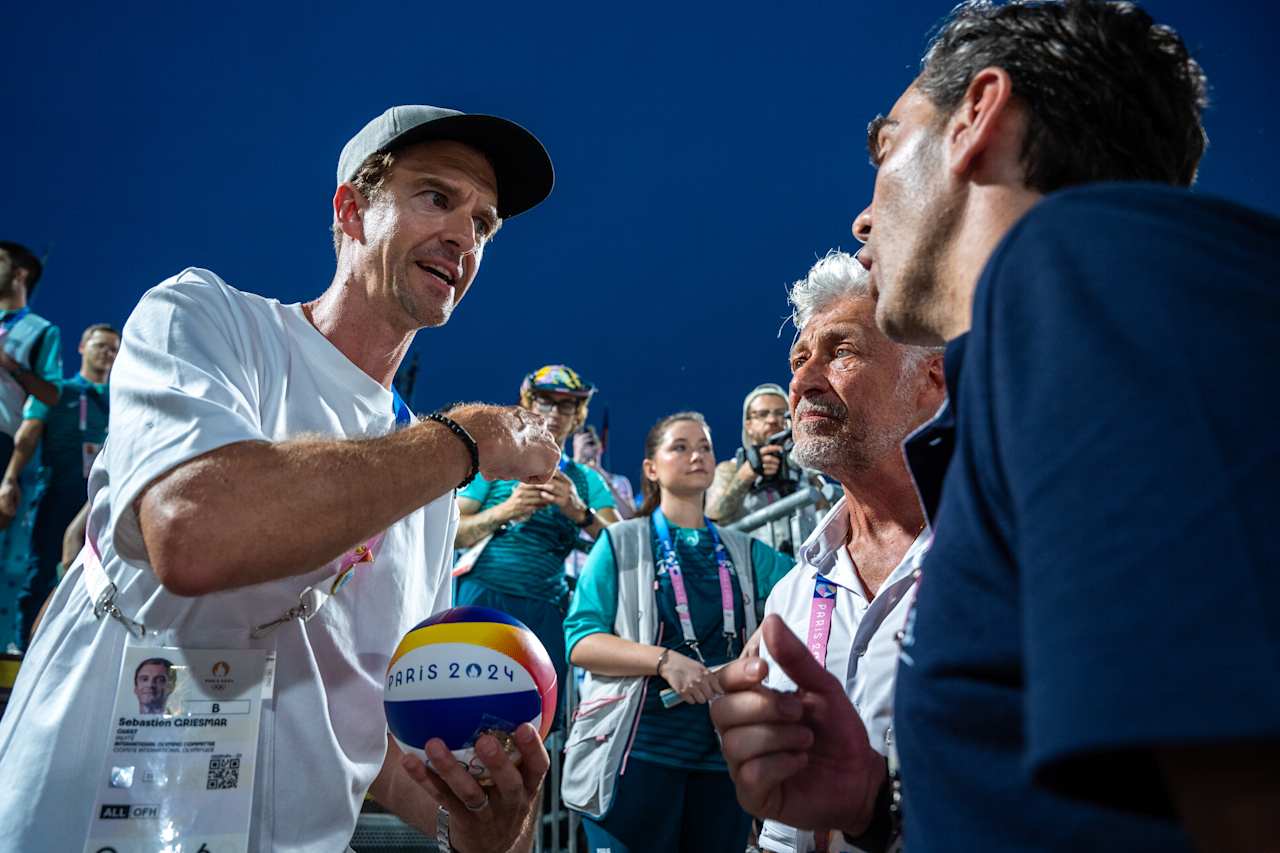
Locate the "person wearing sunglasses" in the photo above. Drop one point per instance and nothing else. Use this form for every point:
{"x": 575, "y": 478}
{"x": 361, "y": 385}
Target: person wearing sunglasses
{"x": 519, "y": 534}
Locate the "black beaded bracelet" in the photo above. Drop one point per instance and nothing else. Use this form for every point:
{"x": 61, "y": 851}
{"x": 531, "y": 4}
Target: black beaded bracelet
{"x": 456, "y": 429}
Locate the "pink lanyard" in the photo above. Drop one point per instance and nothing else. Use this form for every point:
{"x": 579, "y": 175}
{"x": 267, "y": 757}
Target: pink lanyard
{"x": 820, "y": 613}
{"x": 672, "y": 564}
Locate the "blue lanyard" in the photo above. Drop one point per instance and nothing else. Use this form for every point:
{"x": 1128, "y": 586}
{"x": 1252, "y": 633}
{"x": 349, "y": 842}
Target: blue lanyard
{"x": 671, "y": 563}
{"x": 398, "y": 407}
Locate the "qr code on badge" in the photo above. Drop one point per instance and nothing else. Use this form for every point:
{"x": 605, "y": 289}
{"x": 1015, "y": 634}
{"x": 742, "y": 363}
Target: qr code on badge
{"x": 224, "y": 771}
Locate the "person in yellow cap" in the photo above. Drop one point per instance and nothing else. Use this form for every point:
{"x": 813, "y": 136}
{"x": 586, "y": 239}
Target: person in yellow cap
{"x": 524, "y": 531}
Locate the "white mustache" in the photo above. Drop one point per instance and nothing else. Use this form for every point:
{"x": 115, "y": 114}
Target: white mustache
{"x": 830, "y": 410}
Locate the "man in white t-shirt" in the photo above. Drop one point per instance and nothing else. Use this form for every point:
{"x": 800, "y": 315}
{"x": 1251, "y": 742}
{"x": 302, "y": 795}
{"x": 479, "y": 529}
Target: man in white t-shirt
{"x": 256, "y": 445}
{"x": 855, "y": 395}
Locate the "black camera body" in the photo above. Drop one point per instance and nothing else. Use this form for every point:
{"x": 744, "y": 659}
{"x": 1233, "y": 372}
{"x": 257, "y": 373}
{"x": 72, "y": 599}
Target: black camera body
{"x": 787, "y": 479}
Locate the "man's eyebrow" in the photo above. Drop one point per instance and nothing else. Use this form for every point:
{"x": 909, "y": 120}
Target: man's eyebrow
{"x": 844, "y": 333}
{"x": 877, "y": 124}
{"x": 435, "y": 182}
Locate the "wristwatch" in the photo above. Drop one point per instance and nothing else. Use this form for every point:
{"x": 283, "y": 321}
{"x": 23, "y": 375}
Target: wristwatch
{"x": 442, "y": 828}
{"x": 588, "y": 519}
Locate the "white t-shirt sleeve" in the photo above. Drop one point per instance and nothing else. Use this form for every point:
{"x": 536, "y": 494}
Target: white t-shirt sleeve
{"x": 186, "y": 382}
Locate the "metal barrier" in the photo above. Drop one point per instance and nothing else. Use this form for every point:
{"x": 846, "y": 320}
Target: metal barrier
{"x": 553, "y": 816}
{"x": 791, "y": 504}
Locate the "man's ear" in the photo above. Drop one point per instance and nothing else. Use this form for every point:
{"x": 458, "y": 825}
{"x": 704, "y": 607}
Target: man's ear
{"x": 19, "y": 279}
{"x": 349, "y": 205}
{"x": 935, "y": 387}
{"x": 976, "y": 125}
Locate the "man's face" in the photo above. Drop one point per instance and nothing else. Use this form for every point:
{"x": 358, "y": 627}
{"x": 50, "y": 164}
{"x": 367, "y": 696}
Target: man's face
{"x": 425, "y": 232}
{"x": 850, "y": 411}
{"x": 151, "y": 685}
{"x": 560, "y": 410}
{"x": 912, "y": 220}
{"x": 766, "y": 416}
{"x": 99, "y": 351}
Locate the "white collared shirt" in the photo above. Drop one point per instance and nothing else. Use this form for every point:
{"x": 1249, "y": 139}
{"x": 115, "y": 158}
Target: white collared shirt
{"x": 863, "y": 644}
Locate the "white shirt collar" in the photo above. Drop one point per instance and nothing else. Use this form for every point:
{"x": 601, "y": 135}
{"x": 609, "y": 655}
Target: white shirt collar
{"x": 824, "y": 552}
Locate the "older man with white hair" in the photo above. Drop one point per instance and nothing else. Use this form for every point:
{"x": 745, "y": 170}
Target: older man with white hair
{"x": 855, "y": 395}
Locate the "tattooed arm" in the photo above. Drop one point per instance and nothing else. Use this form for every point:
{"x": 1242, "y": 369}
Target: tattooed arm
{"x": 474, "y": 524}
{"x": 728, "y": 490}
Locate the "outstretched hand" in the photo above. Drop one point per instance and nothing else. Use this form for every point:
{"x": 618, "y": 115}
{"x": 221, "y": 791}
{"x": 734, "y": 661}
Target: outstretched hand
{"x": 491, "y": 817}
{"x": 801, "y": 758}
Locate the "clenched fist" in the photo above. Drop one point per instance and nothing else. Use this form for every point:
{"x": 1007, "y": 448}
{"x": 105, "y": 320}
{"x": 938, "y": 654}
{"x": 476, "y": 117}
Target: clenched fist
{"x": 514, "y": 443}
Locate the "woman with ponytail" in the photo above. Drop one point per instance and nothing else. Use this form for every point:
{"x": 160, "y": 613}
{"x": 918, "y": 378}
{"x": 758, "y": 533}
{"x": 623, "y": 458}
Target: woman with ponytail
{"x": 663, "y": 600}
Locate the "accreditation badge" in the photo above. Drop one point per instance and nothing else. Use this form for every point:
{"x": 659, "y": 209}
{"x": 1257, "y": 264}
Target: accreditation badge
{"x": 183, "y": 751}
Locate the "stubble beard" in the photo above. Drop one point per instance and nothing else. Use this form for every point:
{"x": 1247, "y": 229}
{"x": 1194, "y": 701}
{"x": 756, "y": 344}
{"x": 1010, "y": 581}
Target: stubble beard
{"x": 914, "y": 309}
{"x": 835, "y": 452}
{"x": 425, "y": 314}
{"x": 857, "y": 446}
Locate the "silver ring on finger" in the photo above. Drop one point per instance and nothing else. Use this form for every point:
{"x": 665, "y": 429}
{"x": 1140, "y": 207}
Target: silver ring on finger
{"x": 479, "y": 807}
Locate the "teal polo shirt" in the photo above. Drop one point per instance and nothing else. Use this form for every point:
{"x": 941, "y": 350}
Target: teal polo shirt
{"x": 527, "y": 558}
{"x": 682, "y": 736}
{"x": 62, "y": 446}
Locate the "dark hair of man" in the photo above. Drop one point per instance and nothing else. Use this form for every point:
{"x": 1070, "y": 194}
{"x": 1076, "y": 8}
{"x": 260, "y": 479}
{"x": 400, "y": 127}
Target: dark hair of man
{"x": 369, "y": 179}
{"x": 98, "y": 327}
{"x": 652, "y": 491}
{"x": 23, "y": 258}
{"x": 1110, "y": 95}
{"x": 164, "y": 662}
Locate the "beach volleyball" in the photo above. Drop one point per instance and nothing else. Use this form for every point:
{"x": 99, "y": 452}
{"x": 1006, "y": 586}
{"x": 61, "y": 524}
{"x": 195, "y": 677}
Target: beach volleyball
{"x": 465, "y": 672}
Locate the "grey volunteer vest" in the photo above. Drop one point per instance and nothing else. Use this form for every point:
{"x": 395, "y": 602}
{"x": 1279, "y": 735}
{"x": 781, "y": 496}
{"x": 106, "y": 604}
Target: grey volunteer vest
{"x": 608, "y": 708}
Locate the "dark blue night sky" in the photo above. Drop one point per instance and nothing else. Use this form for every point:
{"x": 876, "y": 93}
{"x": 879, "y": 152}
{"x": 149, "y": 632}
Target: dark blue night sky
{"x": 706, "y": 154}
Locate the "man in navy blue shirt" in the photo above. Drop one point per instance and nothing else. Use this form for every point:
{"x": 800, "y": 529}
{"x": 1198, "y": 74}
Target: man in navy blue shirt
{"x": 1094, "y": 661}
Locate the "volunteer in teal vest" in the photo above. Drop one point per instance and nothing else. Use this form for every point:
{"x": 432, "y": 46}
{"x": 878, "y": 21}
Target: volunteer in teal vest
{"x": 30, "y": 366}
{"x": 663, "y": 600}
{"x": 68, "y": 436}
{"x": 523, "y": 532}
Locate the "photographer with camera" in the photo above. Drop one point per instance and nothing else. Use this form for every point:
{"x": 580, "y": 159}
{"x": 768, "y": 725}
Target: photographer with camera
{"x": 763, "y": 472}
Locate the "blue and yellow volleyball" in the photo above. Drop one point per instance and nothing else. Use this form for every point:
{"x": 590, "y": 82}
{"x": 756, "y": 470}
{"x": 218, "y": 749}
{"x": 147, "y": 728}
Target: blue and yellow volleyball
{"x": 465, "y": 671}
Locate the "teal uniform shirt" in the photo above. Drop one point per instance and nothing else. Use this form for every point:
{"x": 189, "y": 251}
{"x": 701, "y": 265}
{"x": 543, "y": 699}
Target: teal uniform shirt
{"x": 62, "y": 446}
{"x": 682, "y": 736}
{"x": 35, "y": 343}
{"x": 526, "y": 558}
{"x": 46, "y": 361}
